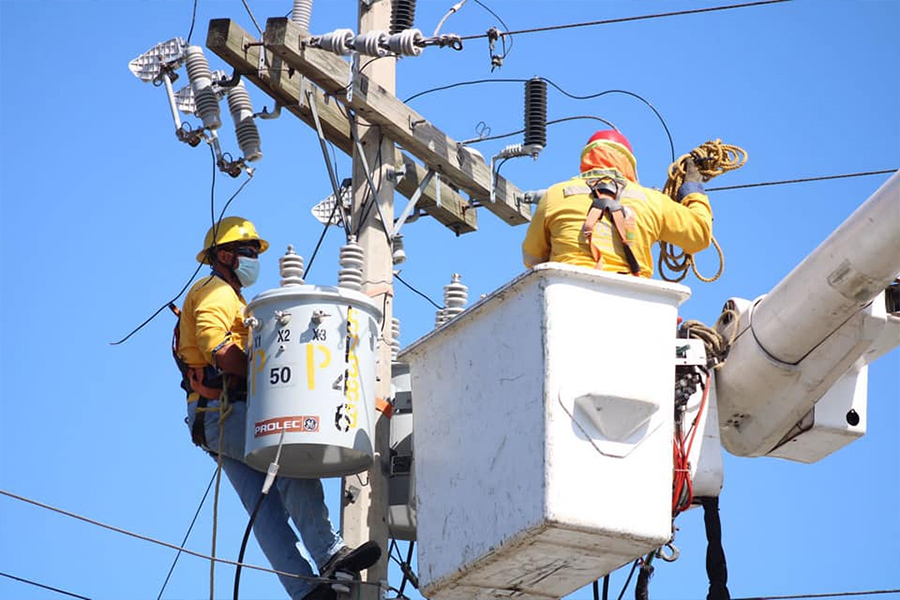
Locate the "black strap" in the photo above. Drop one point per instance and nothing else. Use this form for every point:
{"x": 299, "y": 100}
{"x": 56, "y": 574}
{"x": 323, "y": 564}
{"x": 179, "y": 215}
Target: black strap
{"x": 601, "y": 190}
{"x": 198, "y": 429}
{"x": 716, "y": 568}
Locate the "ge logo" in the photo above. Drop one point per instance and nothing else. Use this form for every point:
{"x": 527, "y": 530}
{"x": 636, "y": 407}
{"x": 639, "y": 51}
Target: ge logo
{"x": 311, "y": 424}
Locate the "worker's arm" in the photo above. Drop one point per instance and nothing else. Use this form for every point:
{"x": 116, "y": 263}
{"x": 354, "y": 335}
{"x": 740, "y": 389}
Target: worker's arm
{"x": 215, "y": 315}
{"x": 536, "y": 246}
{"x": 688, "y": 223}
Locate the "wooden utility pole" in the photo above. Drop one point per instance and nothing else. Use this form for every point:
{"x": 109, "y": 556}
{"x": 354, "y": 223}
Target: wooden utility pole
{"x": 365, "y": 518}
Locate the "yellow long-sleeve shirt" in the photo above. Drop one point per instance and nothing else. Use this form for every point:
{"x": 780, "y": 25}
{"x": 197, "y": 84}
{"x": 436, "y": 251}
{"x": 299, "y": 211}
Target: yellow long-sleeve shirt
{"x": 555, "y": 231}
{"x": 213, "y": 312}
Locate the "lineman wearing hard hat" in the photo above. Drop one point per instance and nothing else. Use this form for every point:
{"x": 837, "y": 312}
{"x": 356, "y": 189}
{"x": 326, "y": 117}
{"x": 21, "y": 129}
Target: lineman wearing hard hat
{"x": 604, "y": 219}
{"x": 210, "y": 345}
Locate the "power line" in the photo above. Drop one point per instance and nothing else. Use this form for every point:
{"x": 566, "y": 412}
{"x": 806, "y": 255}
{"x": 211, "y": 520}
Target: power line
{"x": 193, "y": 20}
{"x": 626, "y": 19}
{"x": 167, "y": 544}
{"x": 433, "y": 303}
{"x": 804, "y": 180}
{"x": 835, "y": 595}
{"x": 187, "y": 534}
{"x": 46, "y": 587}
{"x": 252, "y": 18}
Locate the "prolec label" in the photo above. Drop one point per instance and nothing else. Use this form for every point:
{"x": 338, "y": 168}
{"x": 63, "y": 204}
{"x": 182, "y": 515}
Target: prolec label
{"x": 302, "y": 423}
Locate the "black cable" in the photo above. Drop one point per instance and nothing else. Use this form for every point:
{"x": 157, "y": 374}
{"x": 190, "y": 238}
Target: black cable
{"x": 197, "y": 270}
{"x": 46, "y": 587}
{"x": 606, "y": 587}
{"x": 835, "y": 595}
{"x": 625, "y": 19}
{"x": 237, "y": 571}
{"x": 321, "y": 238}
{"x": 506, "y": 50}
{"x": 405, "y": 566}
{"x": 565, "y": 93}
{"x": 627, "y": 581}
{"x": 186, "y": 535}
{"x": 716, "y": 567}
{"x": 596, "y": 589}
{"x": 193, "y": 20}
{"x": 553, "y": 122}
{"x": 805, "y": 180}
{"x": 433, "y": 303}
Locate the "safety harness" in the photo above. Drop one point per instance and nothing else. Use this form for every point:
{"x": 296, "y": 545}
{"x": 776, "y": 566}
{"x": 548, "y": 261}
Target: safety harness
{"x": 207, "y": 382}
{"x": 606, "y": 193}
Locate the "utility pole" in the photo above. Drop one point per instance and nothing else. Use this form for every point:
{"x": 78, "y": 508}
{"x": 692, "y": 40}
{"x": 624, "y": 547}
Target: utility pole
{"x": 365, "y": 518}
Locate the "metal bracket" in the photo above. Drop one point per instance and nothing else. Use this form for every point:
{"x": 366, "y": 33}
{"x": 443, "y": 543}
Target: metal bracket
{"x": 351, "y": 75}
{"x": 332, "y": 177}
{"x": 411, "y": 205}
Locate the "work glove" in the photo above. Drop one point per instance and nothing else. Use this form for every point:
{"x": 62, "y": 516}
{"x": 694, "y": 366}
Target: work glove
{"x": 691, "y": 172}
{"x": 693, "y": 181}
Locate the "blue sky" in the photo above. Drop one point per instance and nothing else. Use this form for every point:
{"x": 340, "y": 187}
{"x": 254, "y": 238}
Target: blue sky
{"x": 102, "y": 211}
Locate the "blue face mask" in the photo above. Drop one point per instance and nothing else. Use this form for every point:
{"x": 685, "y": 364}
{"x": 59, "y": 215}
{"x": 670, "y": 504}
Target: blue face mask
{"x": 247, "y": 270}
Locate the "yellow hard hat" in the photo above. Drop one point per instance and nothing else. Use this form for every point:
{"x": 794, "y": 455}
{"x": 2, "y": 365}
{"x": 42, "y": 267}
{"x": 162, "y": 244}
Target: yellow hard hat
{"x": 228, "y": 230}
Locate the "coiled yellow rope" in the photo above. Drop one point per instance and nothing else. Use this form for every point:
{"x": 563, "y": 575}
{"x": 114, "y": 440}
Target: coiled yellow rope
{"x": 712, "y": 158}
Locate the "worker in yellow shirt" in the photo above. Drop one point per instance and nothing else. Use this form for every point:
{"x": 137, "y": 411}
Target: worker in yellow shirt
{"x": 210, "y": 348}
{"x": 605, "y": 219}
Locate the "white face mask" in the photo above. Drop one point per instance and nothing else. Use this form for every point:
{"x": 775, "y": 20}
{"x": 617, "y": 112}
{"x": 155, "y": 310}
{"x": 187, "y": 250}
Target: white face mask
{"x": 247, "y": 270}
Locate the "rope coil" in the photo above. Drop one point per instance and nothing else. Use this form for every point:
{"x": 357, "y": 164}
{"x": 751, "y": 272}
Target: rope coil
{"x": 712, "y": 158}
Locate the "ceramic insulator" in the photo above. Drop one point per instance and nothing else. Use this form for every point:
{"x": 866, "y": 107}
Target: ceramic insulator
{"x": 207, "y": 103}
{"x": 244, "y": 126}
{"x": 291, "y": 267}
{"x": 352, "y": 259}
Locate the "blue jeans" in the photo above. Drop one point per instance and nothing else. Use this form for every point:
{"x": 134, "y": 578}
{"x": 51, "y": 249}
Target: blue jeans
{"x": 302, "y": 499}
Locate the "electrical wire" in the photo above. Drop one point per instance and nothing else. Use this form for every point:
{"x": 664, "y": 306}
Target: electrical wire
{"x": 834, "y": 595}
{"x": 506, "y": 50}
{"x": 553, "y": 122}
{"x": 167, "y": 544}
{"x": 804, "y": 180}
{"x": 627, "y": 581}
{"x": 563, "y": 92}
{"x": 625, "y": 19}
{"x": 46, "y": 587}
{"x": 186, "y": 535}
{"x": 433, "y": 303}
{"x": 196, "y": 271}
{"x": 193, "y": 20}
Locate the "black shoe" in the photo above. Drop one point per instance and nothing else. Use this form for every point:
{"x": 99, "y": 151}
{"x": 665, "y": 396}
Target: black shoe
{"x": 352, "y": 561}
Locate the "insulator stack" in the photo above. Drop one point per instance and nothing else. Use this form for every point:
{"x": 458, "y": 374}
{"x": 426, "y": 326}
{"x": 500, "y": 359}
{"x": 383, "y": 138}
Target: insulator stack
{"x": 201, "y": 83}
{"x": 536, "y": 114}
{"x": 440, "y": 317}
{"x": 352, "y": 259}
{"x": 456, "y": 294}
{"x": 403, "y": 15}
{"x": 406, "y": 43}
{"x": 291, "y": 267}
{"x": 244, "y": 125}
{"x": 395, "y": 338}
{"x": 302, "y": 13}
{"x": 373, "y": 43}
{"x": 398, "y": 254}
{"x": 339, "y": 41}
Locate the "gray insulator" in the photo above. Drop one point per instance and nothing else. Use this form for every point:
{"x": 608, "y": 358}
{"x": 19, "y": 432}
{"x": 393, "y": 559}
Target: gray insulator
{"x": 207, "y": 103}
{"x": 302, "y": 13}
{"x": 440, "y": 318}
{"x": 403, "y": 15}
{"x": 406, "y": 42}
{"x": 244, "y": 125}
{"x": 536, "y": 112}
{"x": 371, "y": 43}
{"x": 456, "y": 294}
{"x": 291, "y": 267}
{"x": 398, "y": 254}
{"x": 395, "y": 338}
{"x": 352, "y": 260}
{"x": 339, "y": 41}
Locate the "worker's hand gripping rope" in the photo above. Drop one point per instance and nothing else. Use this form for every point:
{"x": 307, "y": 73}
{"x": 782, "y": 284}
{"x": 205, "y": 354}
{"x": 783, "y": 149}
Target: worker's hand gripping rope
{"x": 708, "y": 160}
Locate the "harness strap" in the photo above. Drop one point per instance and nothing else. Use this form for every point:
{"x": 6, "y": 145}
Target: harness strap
{"x": 606, "y": 193}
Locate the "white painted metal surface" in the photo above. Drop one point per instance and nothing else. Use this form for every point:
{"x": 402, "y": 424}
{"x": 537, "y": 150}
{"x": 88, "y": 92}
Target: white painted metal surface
{"x": 796, "y": 342}
{"x": 311, "y": 382}
{"x": 519, "y": 493}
